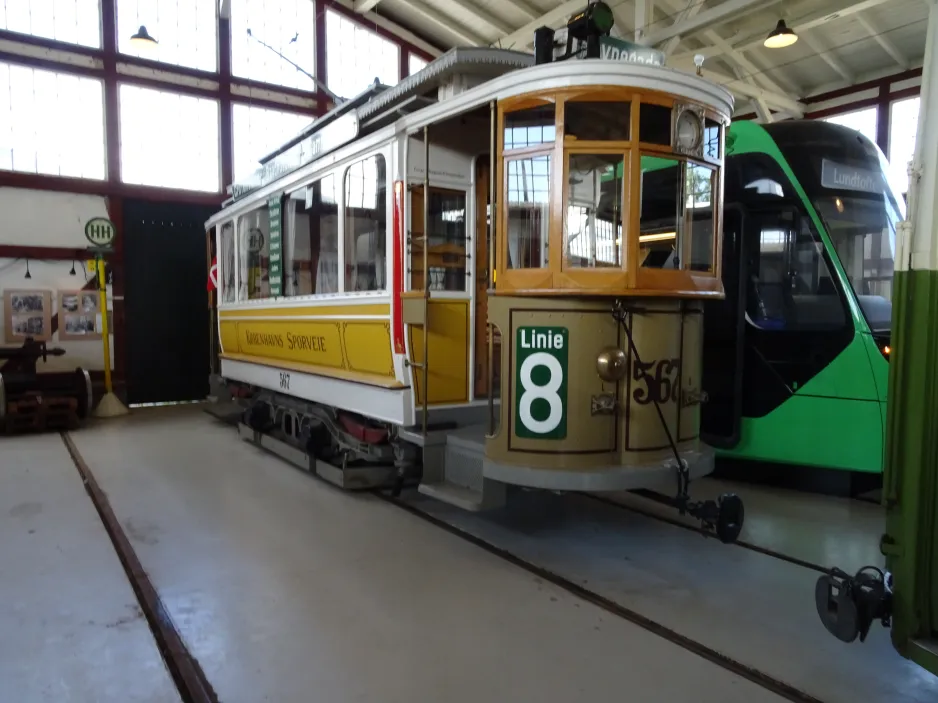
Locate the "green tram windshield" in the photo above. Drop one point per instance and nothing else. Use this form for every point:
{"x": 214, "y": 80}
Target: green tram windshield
{"x": 845, "y": 177}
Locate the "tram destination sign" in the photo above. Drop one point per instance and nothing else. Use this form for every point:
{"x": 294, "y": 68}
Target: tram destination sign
{"x": 541, "y": 356}
{"x": 612, "y": 49}
{"x": 275, "y": 252}
{"x": 844, "y": 177}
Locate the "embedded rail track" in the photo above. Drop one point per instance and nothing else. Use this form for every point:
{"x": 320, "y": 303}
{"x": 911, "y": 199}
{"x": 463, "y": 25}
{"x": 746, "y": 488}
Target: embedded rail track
{"x": 766, "y": 681}
{"x": 187, "y": 675}
{"x": 700, "y": 530}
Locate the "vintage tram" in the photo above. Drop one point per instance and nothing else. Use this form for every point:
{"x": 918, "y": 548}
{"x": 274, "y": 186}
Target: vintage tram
{"x": 466, "y": 280}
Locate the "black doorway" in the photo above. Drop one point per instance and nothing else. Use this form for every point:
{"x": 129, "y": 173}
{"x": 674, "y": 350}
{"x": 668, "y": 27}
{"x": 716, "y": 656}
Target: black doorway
{"x": 166, "y": 301}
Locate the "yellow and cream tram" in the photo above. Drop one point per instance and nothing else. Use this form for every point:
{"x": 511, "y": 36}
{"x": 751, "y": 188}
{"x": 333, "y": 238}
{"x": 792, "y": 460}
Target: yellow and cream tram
{"x": 489, "y": 275}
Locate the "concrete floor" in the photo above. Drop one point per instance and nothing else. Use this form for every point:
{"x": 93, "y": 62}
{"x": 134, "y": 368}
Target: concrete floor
{"x": 286, "y": 589}
{"x": 753, "y": 608}
{"x": 70, "y": 627}
{"x": 817, "y": 529}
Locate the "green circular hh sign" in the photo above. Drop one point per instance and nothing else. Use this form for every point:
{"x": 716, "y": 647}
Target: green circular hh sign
{"x": 100, "y": 232}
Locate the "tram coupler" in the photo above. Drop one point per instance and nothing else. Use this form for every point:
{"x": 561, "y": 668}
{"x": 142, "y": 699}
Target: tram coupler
{"x": 848, "y": 605}
{"x": 723, "y": 516}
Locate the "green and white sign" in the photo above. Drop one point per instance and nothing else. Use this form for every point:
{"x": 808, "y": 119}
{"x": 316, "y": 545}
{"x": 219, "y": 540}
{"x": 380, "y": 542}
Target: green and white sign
{"x": 613, "y": 49}
{"x": 275, "y": 272}
{"x": 541, "y": 382}
{"x": 101, "y": 232}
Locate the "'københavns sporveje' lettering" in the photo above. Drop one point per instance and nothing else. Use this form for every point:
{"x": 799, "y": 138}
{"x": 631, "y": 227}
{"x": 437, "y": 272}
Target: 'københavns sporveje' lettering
{"x": 293, "y": 341}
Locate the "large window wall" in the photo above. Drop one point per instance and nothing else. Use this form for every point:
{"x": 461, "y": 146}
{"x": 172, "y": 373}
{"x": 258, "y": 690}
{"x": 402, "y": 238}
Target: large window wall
{"x": 189, "y": 115}
{"x": 356, "y": 56}
{"x": 891, "y": 121}
{"x": 34, "y": 137}
{"x": 903, "y": 128}
{"x": 72, "y": 21}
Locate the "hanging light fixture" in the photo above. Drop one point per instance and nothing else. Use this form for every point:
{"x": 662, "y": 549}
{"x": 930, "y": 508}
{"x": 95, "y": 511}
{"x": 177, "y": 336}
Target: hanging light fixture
{"x": 780, "y": 37}
{"x": 28, "y": 274}
{"x": 72, "y": 272}
{"x": 143, "y": 39}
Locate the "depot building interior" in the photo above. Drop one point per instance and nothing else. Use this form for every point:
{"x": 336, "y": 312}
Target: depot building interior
{"x": 396, "y": 350}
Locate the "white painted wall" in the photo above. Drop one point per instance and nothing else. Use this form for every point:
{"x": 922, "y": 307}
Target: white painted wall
{"x": 45, "y": 218}
{"x": 48, "y": 219}
{"x": 54, "y": 276}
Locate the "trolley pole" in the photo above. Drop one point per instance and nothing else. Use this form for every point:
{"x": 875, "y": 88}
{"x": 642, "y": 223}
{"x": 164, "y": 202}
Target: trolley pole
{"x": 910, "y": 486}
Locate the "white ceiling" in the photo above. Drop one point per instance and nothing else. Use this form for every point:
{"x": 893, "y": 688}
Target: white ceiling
{"x": 841, "y": 42}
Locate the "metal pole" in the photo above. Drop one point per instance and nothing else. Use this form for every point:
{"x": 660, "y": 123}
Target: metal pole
{"x": 105, "y": 332}
{"x": 491, "y": 278}
{"x": 426, "y": 274}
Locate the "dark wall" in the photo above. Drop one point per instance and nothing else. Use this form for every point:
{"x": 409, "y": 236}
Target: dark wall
{"x": 166, "y": 301}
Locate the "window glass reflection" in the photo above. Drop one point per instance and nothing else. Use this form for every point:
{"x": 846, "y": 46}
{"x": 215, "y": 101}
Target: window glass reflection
{"x": 528, "y": 211}
{"x": 532, "y": 127}
{"x": 593, "y": 217}
{"x": 661, "y": 213}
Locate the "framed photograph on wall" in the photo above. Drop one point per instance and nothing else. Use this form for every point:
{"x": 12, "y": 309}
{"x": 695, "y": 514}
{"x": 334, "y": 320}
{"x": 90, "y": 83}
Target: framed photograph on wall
{"x": 78, "y": 314}
{"x": 27, "y": 313}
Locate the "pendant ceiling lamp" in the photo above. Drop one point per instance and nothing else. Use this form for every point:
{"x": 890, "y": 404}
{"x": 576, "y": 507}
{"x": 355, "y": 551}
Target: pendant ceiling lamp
{"x": 780, "y": 37}
{"x": 143, "y": 39}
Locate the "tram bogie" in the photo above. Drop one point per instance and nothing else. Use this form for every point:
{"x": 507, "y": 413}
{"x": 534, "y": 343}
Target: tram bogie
{"x": 472, "y": 285}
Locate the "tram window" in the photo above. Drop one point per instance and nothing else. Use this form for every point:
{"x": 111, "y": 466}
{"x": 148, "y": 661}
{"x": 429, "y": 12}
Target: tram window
{"x": 311, "y": 249}
{"x": 447, "y": 240}
{"x": 654, "y": 124}
{"x": 593, "y": 217}
{"x": 755, "y": 179}
{"x": 597, "y": 121}
{"x": 530, "y": 127}
{"x": 254, "y": 236}
{"x": 711, "y": 142}
{"x": 366, "y": 225}
{"x": 699, "y": 183}
{"x": 661, "y": 213}
{"x": 227, "y": 260}
{"x": 528, "y": 211}
{"x": 790, "y": 285}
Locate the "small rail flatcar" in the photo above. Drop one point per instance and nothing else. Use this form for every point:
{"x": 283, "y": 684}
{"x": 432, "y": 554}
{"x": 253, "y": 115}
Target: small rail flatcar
{"x": 490, "y": 275}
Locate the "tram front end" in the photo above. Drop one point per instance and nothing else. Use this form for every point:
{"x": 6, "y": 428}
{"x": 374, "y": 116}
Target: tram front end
{"x": 607, "y": 243}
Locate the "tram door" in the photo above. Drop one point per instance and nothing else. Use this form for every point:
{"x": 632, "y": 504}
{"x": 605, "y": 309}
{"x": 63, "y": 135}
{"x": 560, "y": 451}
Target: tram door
{"x": 724, "y": 340}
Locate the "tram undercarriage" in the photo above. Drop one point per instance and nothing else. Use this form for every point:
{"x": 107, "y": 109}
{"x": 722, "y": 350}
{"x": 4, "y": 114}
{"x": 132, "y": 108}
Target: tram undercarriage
{"x": 357, "y": 453}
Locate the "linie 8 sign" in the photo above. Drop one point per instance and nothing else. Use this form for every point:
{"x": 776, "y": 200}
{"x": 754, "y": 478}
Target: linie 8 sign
{"x": 541, "y": 382}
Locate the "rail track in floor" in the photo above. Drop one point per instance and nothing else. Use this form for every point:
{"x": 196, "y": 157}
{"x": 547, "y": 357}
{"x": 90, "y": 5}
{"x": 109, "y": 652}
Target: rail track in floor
{"x": 766, "y": 681}
{"x": 187, "y": 675}
{"x": 743, "y": 544}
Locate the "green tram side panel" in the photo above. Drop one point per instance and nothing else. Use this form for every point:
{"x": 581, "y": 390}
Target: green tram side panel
{"x": 837, "y": 419}
{"x": 910, "y": 484}
{"x": 834, "y": 421}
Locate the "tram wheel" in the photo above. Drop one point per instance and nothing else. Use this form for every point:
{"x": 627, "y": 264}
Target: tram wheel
{"x": 730, "y": 518}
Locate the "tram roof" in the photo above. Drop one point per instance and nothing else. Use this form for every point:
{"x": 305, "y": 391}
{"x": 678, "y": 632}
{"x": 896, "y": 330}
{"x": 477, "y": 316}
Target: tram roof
{"x": 378, "y": 106}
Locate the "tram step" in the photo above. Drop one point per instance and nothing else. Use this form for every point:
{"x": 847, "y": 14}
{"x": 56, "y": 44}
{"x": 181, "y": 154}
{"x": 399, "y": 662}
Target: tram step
{"x": 461, "y": 497}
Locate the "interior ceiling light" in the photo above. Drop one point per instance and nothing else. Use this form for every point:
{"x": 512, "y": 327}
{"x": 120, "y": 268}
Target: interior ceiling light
{"x": 143, "y": 39}
{"x": 780, "y": 37}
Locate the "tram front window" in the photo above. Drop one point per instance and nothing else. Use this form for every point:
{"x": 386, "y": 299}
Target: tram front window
{"x": 593, "y": 222}
{"x": 863, "y": 231}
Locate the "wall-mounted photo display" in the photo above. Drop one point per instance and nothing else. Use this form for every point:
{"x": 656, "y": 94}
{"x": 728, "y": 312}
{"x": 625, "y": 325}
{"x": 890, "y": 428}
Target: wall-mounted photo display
{"x": 78, "y": 314}
{"x": 27, "y": 313}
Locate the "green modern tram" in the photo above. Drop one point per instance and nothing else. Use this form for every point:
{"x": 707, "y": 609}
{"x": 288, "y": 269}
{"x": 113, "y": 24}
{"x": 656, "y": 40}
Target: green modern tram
{"x": 796, "y": 356}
